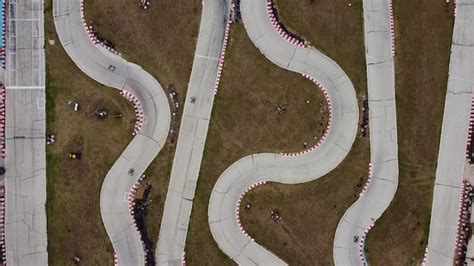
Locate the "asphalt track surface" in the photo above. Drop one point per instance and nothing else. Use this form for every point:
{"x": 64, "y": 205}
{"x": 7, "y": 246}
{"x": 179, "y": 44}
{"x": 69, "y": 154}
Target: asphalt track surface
{"x": 26, "y": 235}
{"x": 383, "y": 138}
{"x": 277, "y": 167}
{"x": 193, "y": 132}
{"x": 452, "y": 150}
{"x": 94, "y": 61}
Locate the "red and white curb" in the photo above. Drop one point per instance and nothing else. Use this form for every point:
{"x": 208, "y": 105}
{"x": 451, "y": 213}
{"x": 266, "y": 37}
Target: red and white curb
{"x": 237, "y": 208}
{"x": 392, "y": 26}
{"x": 2, "y": 225}
{"x": 3, "y": 47}
{"x": 131, "y": 205}
{"x": 464, "y": 223}
{"x": 221, "y": 58}
{"x": 183, "y": 259}
{"x": 425, "y": 257}
{"x": 137, "y": 106}
{"x": 328, "y": 127}
{"x": 281, "y": 30}
{"x": 115, "y": 259}
{"x": 90, "y": 32}
{"x": 362, "y": 244}
{"x": 2, "y": 120}
{"x": 369, "y": 178}
{"x": 471, "y": 129}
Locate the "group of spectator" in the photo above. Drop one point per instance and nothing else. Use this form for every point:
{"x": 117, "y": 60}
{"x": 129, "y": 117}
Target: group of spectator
{"x": 365, "y": 117}
{"x": 173, "y": 95}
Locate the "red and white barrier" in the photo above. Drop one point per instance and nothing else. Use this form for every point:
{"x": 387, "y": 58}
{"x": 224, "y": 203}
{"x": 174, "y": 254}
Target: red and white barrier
{"x": 2, "y": 225}
{"x": 361, "y": 245}
{"x": 470, "y": 130}
{"x": 2, "y": 120}
{"x": 280, "y": 29}
{"x": 425, "y": 257}
{"x": 464, "y": 223}
{"x": 392, "y": 26}
{"x": 221, "y": 58}
{"x": 3, "y": 46}
{"x": 140, "y": 116}
{"x": 328, "y": 127}
{"x": 91, "y": 33}
{"x": 237, "y": 208}
{"x": 131, "y": 205}
{"x": 369, "y": 178}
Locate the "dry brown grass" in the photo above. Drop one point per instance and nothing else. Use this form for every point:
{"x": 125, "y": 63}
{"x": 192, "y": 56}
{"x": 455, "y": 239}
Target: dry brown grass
{"x": 423, "y": 30}
{"x": 74, "y": 223}
{"x": 244, "y": 122}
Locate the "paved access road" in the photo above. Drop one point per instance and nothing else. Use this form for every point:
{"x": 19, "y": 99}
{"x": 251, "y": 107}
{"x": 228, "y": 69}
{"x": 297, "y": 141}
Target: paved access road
{"x": 26, "y": 237}
{"x": 95, "y": 61}
{"x": 452, "y": 149}
{"x": 193, "y": 132}
{"x": 276, "y": 167}
{"x": 383, "y": 136}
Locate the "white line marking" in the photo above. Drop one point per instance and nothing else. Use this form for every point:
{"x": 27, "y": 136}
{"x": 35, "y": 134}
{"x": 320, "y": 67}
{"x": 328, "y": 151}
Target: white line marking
{"x": 25, "y": 87}
{"x": 207, "y": 57}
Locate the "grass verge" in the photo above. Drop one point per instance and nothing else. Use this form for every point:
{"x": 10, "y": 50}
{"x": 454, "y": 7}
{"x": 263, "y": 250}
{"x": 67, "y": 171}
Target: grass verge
{"x": 400, "y": 235}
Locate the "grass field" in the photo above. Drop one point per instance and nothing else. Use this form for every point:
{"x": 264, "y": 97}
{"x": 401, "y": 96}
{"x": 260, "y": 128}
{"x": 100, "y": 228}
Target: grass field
{"x": 74, "y": 223}
{"x": 401, "y": 235}
{"x": 244, "y": 122}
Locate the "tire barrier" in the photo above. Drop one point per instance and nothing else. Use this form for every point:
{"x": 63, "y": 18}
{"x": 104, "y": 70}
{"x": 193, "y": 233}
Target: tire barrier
{"x": 392, "y": 26}
{"x": 93, "y": 36}
{"x": 362, "y": 245}
{"x": 132, "y": 208}
{"x": 286, "y": 34}
{"x": 464, "y": 223}
{"x": 3, "y": 47}
{"x": 2, "y": 119}
{"x": 2, "y": 225}
{"x": 237, "y": 208}
{"x": 328, "y": 127}
{"x": 137, "y": 106}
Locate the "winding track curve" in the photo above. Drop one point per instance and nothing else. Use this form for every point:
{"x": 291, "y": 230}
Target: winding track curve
{"x": 360, "y": 217}
{"x": 277, "y": 167}
{"x": 94, "y": 61}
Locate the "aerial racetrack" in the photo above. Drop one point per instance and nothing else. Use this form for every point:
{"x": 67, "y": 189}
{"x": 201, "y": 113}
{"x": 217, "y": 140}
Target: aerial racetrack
{"x": 151, "y": 131}
{"x": 291, "y": 54}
